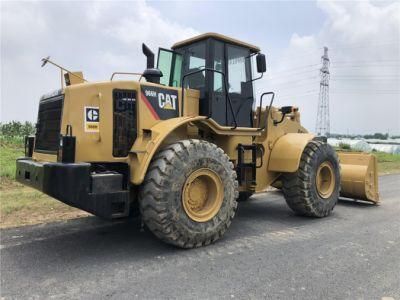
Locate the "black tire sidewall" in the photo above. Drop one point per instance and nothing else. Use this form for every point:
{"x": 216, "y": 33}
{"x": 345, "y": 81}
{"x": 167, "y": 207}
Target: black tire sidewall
{"x": 325, "y": 153}
{"x": 189, "y": 158}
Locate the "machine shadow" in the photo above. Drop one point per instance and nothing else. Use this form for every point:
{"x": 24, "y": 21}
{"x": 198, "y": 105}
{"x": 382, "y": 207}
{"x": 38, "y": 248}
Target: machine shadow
{"x": 356, "y": 203}
{"x": 91, "y": 239}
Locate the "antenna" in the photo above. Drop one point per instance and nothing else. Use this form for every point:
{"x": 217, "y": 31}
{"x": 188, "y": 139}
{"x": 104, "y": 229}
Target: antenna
{"x": 47, "y": 60}
{"x": 322, "y": 127}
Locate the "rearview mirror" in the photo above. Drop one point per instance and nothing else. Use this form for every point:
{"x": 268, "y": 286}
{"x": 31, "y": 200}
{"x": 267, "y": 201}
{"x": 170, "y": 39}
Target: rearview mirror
{"x": 261, "y": 63}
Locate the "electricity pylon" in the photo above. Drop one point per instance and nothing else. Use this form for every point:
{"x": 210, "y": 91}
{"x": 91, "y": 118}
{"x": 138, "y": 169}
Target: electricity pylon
{"x": 322, "y": 127}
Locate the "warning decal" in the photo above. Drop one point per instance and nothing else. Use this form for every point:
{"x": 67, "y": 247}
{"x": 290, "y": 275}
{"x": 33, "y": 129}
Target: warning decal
{"x": 92, "y": 119}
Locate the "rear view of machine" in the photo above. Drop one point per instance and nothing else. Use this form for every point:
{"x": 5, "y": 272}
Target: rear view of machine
{"x": 184, "y": 142}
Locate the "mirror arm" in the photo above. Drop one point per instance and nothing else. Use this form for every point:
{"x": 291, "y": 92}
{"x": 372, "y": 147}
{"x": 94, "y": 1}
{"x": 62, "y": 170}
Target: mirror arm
{"x": 254, "y": 79}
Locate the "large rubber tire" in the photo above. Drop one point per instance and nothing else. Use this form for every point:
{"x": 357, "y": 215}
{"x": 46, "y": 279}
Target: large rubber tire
{"x": 300, "y": 188}
{"x": 160, "y": 198}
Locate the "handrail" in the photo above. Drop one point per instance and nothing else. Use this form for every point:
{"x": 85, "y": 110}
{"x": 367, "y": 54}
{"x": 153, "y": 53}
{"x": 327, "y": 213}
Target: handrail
{"x": 269, "y": 109}
{"x": 125, "y": 73}
{"x": 226, "y": 91}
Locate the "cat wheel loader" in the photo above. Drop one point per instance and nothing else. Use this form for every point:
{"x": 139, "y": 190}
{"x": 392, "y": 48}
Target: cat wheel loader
{"x": 184, "y": 142}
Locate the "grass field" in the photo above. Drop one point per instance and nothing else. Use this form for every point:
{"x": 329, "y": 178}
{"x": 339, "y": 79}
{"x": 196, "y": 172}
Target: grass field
{"x": 21, "y": 205}
{"x": 388, "y": 163}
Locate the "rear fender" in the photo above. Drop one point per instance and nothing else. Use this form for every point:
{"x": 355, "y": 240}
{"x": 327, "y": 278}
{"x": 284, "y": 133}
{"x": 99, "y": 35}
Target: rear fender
{"x": 148, "y": 143}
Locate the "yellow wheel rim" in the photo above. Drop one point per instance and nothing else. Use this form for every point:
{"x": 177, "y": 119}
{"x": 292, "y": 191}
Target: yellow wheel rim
{"x": 325, "y": 180}
{"x": 203, "y": 194}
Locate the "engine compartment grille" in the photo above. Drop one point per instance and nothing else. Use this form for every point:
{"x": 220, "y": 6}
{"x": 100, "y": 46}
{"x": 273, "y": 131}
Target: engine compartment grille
{"x": 125, "y": 128}
{"x": 48, "y": 125}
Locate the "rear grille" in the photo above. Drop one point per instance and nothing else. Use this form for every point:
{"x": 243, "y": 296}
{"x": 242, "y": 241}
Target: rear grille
{"x": 48, "y": 124}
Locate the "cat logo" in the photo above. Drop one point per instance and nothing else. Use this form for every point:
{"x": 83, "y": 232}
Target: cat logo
{"x": 92, "y": 119}
{"x": 92, "y": 114}
{"x": 162, "y": 103}
{"x": 167, "y": 101}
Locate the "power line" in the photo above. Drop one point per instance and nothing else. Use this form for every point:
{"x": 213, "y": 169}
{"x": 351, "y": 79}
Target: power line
{"x": 296, "y": 68}
{"x": 374, "y": 92}
{"x": 302, "y": 79}
{"x": 293, "y": 74}
{"x": 297, "y": 56}
{"x": 365, "y": 61}
{"x": 392, "y": 65}
{"x": 359, "y": 45}
{"x": 359, "y": 79}
{"x": 368, "y": 76}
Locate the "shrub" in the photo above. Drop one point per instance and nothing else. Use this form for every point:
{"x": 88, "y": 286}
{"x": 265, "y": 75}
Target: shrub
{"x": 344, "y": 146}
{"x": 17, "y": 129}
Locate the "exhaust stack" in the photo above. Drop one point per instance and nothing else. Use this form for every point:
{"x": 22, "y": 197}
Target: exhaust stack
{"x": 150, "y": 56}
{"x": 151, "y": 74}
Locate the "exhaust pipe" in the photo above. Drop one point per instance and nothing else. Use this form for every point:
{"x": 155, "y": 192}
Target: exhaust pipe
{"x": 151, "y": 74}
{"x": 150, "y": 56}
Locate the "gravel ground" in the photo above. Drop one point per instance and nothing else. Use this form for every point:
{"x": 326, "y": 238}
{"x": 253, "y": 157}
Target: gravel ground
{"x": 268, "y": 252}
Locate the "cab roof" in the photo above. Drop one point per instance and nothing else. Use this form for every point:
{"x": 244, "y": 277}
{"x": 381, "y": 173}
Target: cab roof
{"x": 216, "y": 36}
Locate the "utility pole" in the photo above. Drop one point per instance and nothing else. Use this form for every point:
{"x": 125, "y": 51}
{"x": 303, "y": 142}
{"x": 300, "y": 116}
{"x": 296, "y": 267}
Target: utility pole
{"x": 322, "y": 127}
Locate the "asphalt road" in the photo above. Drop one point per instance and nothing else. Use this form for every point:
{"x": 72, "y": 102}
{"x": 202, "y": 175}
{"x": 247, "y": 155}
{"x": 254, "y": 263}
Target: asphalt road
{"x": 267, "y": 253}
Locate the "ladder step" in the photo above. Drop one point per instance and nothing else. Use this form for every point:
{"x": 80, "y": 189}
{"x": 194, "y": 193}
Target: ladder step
{"x": 242, "y": 166}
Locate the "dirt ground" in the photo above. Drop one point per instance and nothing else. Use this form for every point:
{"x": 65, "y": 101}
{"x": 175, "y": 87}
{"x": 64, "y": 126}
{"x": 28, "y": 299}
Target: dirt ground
{"x": 21, "y": 205}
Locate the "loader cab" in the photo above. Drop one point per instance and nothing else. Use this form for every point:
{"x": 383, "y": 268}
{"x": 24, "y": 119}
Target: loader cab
{"x": 213, "y": 51}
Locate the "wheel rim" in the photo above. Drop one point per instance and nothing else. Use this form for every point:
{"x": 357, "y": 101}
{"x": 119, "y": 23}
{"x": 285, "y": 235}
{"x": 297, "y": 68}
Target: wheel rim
{"x": 325, "y": 180}
{"x": 202, "y": 195}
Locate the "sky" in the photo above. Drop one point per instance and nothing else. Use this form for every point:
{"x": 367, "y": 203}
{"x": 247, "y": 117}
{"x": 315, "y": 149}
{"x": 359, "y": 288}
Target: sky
{"x": 98, "y": 38}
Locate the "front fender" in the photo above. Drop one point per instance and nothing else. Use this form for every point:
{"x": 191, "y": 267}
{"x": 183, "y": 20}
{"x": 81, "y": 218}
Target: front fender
{"x": 147, "y": 144}
{"x": 286, "y": 152}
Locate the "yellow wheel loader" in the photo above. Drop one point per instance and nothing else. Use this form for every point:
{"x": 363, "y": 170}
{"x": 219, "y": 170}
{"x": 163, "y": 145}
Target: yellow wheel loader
{"x": 184, "y": 142}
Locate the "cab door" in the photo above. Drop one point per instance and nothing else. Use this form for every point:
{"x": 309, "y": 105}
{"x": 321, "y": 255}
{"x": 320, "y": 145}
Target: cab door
{"x": 240, "y": 87}
{"x": 234, "y": 62}
{"x": 219, "y": 103}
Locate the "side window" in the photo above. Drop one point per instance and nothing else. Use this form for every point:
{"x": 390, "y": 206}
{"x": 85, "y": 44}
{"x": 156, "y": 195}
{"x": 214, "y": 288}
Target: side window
{"x": 165, "y": 64}
{"x": 195, "y": 58}
{"x": 177, "y": 73}
{"x": 196, "y": 63}
{"x": 218, "y": 65}
{"x": 238, "y": 68}
{"x": 170, "y": 64}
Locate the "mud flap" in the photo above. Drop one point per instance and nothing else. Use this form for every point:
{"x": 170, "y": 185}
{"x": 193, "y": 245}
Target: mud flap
{"x": 359, "y": 176}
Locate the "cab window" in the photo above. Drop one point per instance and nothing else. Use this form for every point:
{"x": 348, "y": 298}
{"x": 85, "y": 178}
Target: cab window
{"x": 170, "y": 64}
{"x": 219, "y": 65}
{"x": 238, "y": 69}
{"x": 195, "y": 59}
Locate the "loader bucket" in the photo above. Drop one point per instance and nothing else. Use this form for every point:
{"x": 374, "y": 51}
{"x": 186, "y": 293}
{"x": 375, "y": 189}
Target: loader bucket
{"x": 359, "y": 176}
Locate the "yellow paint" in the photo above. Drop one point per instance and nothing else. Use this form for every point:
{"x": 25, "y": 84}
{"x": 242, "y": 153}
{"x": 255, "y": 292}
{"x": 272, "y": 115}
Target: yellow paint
{"x": 146, "y": 146}
{"x": 203, "y": 194}
{"x": 359, "y": 176}
{"x": 287, "y": 151}
{"x": 325, "y": 180}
